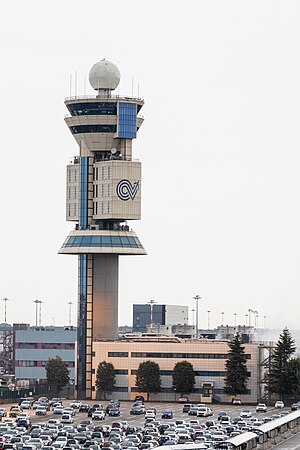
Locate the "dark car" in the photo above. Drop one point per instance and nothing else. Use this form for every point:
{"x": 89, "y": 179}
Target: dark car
{"x": 193, "y": 411}
{"x": 295, "y": 406}
{"x": 113, "y": 412}
{"x": 187, "y": 407}
{"x": 139, "y": 398}
{"x": 84, "y": 407}
{"x": 136, "y": 410}
{"x": 167, "y": 414}
{"x": 93, "y": 409}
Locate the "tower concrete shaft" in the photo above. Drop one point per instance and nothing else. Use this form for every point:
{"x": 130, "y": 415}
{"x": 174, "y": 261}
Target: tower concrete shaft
{"x": 103, "y": 192}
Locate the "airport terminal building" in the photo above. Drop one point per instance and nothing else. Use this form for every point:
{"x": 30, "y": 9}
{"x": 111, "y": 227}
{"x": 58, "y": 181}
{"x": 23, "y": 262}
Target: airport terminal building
{"x": 207, "y": 357}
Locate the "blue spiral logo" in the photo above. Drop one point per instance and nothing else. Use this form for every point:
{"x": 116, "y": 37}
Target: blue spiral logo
{"x": 126, "y": 190}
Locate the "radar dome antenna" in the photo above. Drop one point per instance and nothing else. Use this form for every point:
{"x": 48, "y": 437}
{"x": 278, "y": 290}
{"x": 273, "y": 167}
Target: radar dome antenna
{"x": 104, "y": 77}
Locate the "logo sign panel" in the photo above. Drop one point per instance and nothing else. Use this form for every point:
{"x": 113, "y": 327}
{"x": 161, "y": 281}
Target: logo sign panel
{"x": 127, "y": 190}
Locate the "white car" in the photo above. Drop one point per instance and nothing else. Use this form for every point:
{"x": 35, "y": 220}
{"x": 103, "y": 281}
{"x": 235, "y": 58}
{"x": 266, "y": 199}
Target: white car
{"x": 204, "y": 411}
{"x": 261, "y": 407}
{"x": 279, "y": 404}
{"x": 98, "y": 415}
{"x": 58, "y": 410}
{"x": 26, "y": 405}
{"x": 69, "y": 410}
{"x": 66, "y": 418}
{"x": 246, "y": 414}
{"x": 41, "y": 411}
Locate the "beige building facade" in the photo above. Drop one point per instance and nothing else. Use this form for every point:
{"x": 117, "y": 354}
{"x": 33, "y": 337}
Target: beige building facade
{"x": 208, "y": 358}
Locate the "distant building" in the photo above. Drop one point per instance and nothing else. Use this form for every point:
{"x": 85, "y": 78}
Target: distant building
{"x": 6, "y": 349}
{"x": 161, "y": 315}
{"x": 33, "y": 346}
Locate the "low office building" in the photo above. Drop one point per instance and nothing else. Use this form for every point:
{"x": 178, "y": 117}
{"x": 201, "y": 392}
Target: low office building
{"x": 208, "y": 358}
{"x": 33, "y": 347}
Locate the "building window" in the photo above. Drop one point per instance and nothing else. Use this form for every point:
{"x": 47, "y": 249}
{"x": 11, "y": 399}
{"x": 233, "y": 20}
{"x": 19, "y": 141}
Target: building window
{"x": 108, "y": 190}
{"x": 108, "y": 207}
{"x": 102, "y": 172}
{"x": 118, "y": 354}
{"x": 108, "y": 173}
{"x": 98, "y": 108}
{"x": 127, "y": 120}
{"x": 78, "y": 129}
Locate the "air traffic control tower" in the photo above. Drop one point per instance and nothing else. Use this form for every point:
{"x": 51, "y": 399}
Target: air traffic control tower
{"x": 103, "y": 191}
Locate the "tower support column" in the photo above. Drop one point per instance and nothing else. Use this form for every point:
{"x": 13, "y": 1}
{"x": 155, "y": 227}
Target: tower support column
{"x": 105, "y": 296}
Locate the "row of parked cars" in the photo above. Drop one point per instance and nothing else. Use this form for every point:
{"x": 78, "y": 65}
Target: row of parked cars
{"x": 155, "y": 428}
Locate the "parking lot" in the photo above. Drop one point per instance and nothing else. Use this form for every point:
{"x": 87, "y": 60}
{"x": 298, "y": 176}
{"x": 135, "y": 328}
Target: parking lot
{"x": 149, "y": 428}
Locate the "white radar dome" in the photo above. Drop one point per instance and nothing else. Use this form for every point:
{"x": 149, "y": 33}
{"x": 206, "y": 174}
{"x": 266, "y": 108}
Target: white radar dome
{"x": 104, "y": 75}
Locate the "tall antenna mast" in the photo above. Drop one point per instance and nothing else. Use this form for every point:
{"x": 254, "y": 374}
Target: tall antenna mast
{"x": 75, "y": 83}
{"x": 70, "y": 85}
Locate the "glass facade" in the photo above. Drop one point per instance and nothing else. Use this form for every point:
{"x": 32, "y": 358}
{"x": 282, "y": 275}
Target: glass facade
{"x": 83, "y": 193}
{"x": 127, "y": 120}
{"x": 93, "y": 129}
{"x": 91, "y": 109}
{"x": 182, "y": 355}
{"x": 103, "y": 241}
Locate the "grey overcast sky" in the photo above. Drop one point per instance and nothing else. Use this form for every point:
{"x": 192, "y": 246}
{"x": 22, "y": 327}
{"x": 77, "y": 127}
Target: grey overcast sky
{"x": 219, "y": 147}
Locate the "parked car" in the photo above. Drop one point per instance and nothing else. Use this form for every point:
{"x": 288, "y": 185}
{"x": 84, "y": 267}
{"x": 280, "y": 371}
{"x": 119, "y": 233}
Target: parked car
{"x": 41, "y": 411}
{"x": 137, "y": 410}
{"x": 204, "y": 412}
{"x": 98, "y": 415}
{"x": 187, "y": 407}
{"x": 3, "y": 412}
{"x": 183, "y": 399}
{"x": 84, "y": 407}
{"x": 295, "y": 406}
{"x": 167, "y": 414}
{"x": 236, "y": 401}
{"x": 25, "y": 404}
{"x": 67, "y": 418}
{"x": 261, "y": 407}
{"x": 279, "y": 404}
{"x": 15, "y": 411}
{"x": 246, "y": 414}
{"x": 113, "y": 412}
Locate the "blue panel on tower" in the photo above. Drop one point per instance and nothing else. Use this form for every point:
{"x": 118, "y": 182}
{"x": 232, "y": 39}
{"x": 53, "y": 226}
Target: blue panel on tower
{"x": 127, "y": 120}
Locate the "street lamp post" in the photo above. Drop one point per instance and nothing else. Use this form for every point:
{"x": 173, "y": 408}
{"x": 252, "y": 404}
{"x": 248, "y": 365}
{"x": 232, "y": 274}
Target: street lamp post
{"x": 70, "y": 313}
{"x": 36, "y": 311}
{"x": 197, "y": 298}
{"x": 5, "y": 301}
{"x": 222, "y": 313}
{"x": 152, "y": 302}
{"x": 40, "y": 313}
{"x": 208, "y": 319}
{"x": 235, "y": 320}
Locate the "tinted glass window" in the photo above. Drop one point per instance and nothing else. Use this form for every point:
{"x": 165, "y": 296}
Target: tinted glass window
{"x": 97, "y": 108}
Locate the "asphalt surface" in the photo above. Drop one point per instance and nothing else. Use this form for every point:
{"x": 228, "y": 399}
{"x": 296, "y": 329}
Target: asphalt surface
{"x": 139, "y": 420}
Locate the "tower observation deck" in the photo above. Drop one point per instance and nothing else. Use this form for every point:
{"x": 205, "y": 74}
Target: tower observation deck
{"x": 103, "y": 191}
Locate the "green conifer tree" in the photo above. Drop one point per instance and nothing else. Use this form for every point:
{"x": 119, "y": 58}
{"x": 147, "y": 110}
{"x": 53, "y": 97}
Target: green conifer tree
{"x": 280, "y": 375}
{"x": 236, "y": 368}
